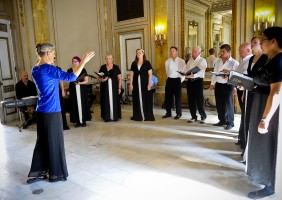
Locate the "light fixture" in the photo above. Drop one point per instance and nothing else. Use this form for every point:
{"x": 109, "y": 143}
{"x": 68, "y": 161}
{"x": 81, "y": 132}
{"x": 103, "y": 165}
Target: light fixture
{"x": 262, "y": 22}
{"x": 160, "y": 37}
{"x": 193, "y": 23}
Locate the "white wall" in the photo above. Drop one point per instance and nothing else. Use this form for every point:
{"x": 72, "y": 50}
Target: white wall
{"x": 76, "y": 31}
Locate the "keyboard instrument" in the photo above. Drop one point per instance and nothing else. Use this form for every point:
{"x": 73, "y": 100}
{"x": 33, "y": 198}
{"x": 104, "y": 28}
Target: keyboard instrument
{"x": 17, "y": 103}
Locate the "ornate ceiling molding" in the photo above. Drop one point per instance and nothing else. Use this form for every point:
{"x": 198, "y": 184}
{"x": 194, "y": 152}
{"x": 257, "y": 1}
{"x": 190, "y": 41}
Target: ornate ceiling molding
{"x": 191, "y": 12}
{"x": 222, "y": 6}
{"x": 213, "y": 5}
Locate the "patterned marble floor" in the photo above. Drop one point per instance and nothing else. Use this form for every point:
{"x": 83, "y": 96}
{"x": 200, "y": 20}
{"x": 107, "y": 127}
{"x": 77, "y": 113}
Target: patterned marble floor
{"x": 167, "y": 159}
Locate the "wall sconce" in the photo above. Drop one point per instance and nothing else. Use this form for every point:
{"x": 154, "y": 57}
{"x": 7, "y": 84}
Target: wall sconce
{"x": 193, "y": 23}
{"x": 262, "y": 22}
{"x": 160, "y": 38}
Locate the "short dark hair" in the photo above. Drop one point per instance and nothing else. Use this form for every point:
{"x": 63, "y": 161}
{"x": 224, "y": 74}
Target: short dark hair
{"x": 173, "y": 47}
{"x": 274, "y": 33}
{"x": 212, "y": 51}
{"x": 227, "y": 47}
{"x": 256, "y": 38}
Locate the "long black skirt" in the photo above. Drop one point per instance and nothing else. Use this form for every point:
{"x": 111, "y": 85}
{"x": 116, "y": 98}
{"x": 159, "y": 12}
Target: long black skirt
{"x": 262, "y": 148}
{"x": 49, "y": 152}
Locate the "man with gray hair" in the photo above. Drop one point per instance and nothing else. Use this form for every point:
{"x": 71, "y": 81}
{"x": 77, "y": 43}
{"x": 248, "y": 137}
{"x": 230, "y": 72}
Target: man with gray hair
{"x": 245, "y": 52}
{"x": 195, "y": 88}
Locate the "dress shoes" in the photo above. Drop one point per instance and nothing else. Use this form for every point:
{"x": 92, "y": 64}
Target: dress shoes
{"x": 202, "y": 121}
{"x": 83, "y": 124}
{"x": 229, "y": 126}
{"x": 192, "y": 120}
{"x": 177, "y": 117}
{"x": 242, "y": 161}
{"x": 77, "y": 125}
{"x": 66, "y": 128}
{"x": 57, "y": 179}
{"x": 219, "y": 124}
{"x": 36, "y": 179}
{"x": 166, "y": 116}
{"x": 267, "y": 191}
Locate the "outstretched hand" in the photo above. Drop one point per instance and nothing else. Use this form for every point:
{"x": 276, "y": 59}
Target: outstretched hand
{"x": 87, "y": 56}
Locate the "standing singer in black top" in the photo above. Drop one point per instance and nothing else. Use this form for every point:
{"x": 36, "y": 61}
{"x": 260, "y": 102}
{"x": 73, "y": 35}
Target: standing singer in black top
{"x": 140, "y": 84}
{"x": 110, "y": 89}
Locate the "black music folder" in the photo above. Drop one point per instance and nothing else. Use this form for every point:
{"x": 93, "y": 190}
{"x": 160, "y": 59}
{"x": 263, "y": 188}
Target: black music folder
{"x": 81, "y": 78}
{"x": 237, "y": 78}
{"x": 100, "y": 74}
{"x": 110, "y": 73}
{"x": 219, "y": 74}
{"x": 194, "y": 70}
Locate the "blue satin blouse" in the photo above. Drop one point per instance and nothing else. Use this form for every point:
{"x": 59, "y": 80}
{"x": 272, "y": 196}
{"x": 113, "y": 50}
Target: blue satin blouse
{"x": 46, "y": 78}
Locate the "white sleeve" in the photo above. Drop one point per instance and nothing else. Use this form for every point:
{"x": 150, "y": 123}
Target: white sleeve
{"x": 213, "y": 78}
{"x": 202, "y": 64}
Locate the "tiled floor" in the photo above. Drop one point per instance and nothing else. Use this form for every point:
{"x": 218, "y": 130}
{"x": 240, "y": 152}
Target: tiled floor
{"x": 163, "y": 160}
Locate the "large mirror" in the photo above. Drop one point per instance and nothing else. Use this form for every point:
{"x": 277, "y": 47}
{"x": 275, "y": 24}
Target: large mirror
{"x": 206, "y": 23}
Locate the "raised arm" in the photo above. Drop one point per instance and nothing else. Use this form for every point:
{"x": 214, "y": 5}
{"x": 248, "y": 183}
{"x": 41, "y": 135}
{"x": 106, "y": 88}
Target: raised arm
{"x": 87, "y": 56}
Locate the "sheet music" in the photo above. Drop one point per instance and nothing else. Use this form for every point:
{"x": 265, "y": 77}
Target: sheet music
{"x": 30, "y": 97}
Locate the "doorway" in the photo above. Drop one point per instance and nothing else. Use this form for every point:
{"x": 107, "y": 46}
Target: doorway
{"x": 7, "y": 71}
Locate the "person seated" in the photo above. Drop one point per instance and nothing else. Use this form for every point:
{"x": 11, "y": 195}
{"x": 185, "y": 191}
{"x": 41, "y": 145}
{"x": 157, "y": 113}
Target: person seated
{"x": 154, "y": 83}
{"x": 25, "y": 88}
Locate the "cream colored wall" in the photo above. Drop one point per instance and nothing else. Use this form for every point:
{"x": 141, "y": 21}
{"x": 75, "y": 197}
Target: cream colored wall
{"x": 75, "y": 31}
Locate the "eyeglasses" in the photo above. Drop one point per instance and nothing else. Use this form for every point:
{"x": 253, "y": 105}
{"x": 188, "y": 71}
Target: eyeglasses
{"x": 262, "y": 40}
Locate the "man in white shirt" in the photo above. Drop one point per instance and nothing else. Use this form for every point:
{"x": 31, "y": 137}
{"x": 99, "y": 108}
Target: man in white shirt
{"x": 223, "y": 91}
{"x": 211, "y": 58}
{"x": 245, "y": 52}
{"x": 195, "y": 86}
{"x": 173, "y": 83}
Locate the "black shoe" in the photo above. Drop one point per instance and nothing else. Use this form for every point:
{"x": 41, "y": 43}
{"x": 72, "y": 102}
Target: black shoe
{"x": 177, "y": 117}
{"x": 66, "y": 128}
{"x": 267, "y": 191}
{"x": 166, "y": 116}
{"x": 83, "y": 124}
{"x": 192, "y": 120}
{"x": 77, "y": 125}
{"x": 202, "y": 121}
{"x": 36, "y": 179}
{"x": 219, "y": 124}
{"x": 242, "y": 161}
{"x": 58, "y": 179}
{"x": 228, "y": 127}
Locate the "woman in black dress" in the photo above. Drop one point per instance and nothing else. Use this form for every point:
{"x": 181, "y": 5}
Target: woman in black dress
{"x": 264, "y": 122}
{"x": 255, "y": 63}
{"x": 79, "y": 105}
{"x": 140, "y": 84}
{"x": 110, "y": 88}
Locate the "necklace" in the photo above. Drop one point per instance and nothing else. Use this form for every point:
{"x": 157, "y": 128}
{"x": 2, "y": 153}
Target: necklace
{"x": 269, "y": 59}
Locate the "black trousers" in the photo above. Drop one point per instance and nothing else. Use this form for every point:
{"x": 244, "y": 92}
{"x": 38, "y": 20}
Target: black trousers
{"x": 195, "y": 96}
{"x": 173, "y": 89}
{"x": 242, "y": 124}
{"x": 224, "y": 103}
{"x": 49, "y": 151}
{"x": 63, "y": 111}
